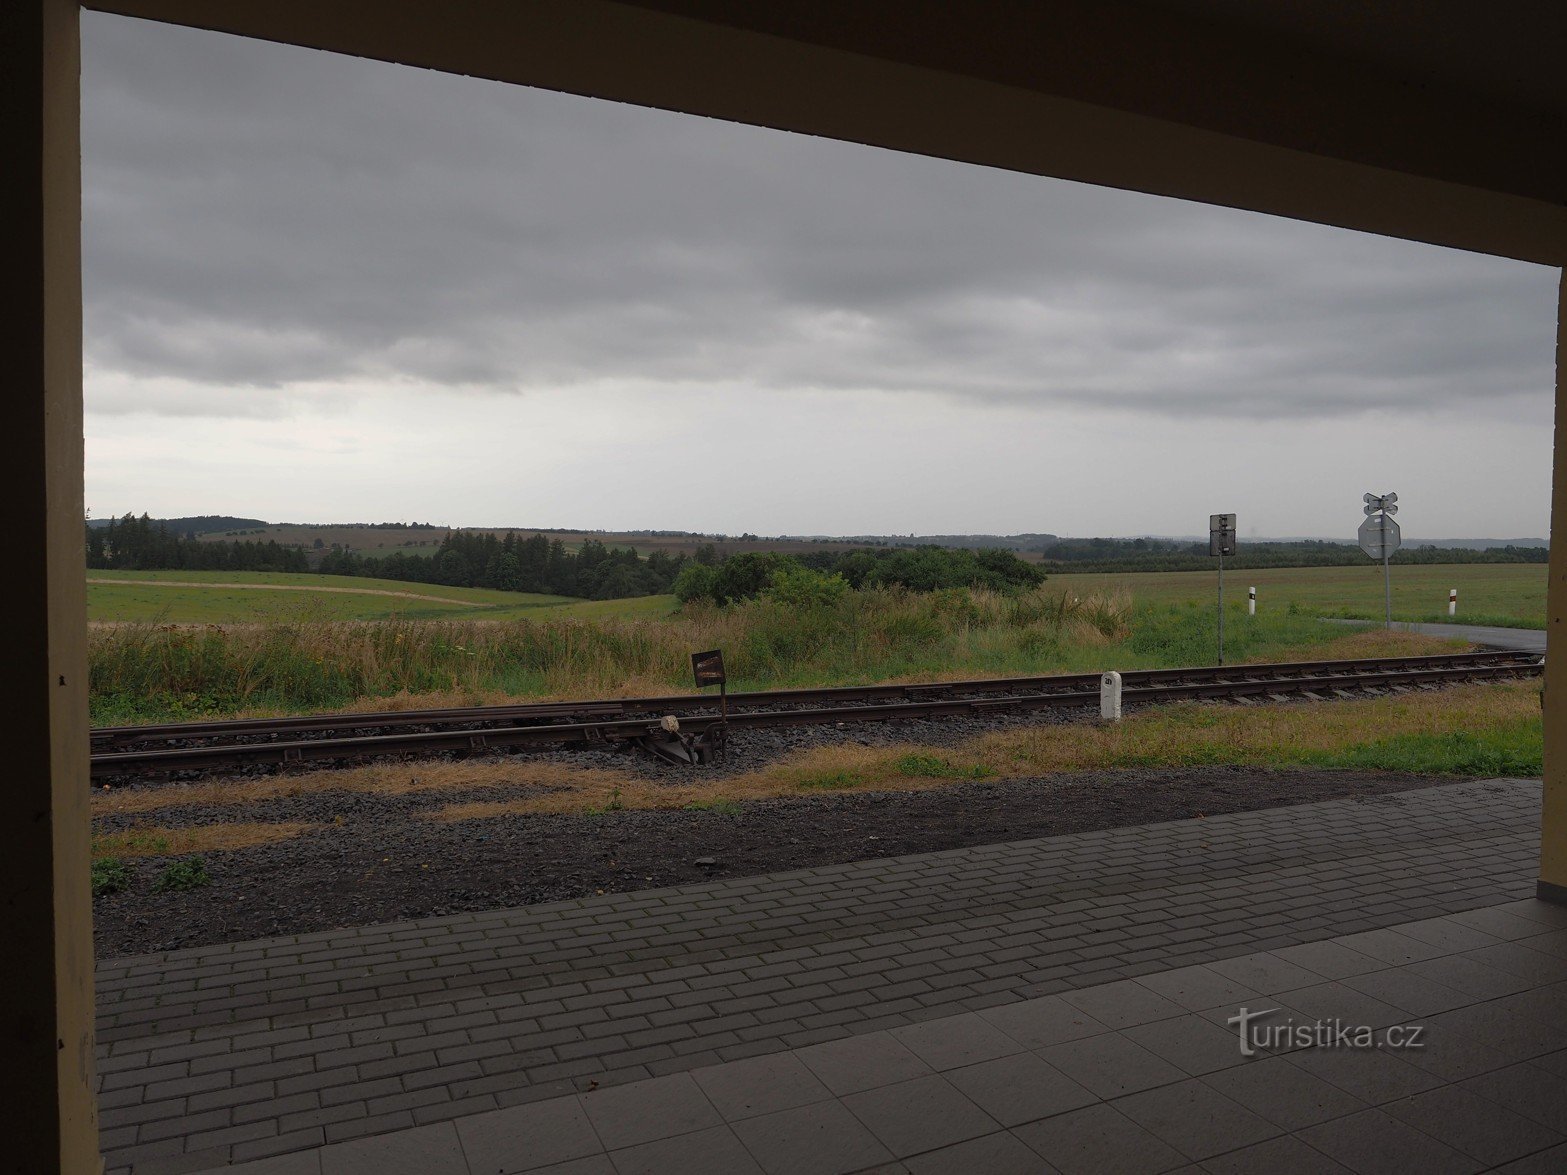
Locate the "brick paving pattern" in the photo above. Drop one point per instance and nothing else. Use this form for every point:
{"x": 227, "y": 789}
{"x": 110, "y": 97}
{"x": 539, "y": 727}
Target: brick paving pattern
{"x": 223, "y": 1054}
{"x": 1136, "y": 1076}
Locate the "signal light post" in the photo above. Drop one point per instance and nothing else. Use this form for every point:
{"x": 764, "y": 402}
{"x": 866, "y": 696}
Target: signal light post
{"x": 1221, "y": 542}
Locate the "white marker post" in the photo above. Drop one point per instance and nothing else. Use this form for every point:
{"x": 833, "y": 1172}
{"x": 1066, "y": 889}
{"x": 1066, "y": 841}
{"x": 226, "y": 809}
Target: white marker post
{"x": 1452, "y": 602}
{"x": 1251, "y": 601}
{"x": 1110, "y": 697}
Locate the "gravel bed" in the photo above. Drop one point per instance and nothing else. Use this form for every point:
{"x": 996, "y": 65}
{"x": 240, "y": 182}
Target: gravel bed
{"x": 375, "y": 860}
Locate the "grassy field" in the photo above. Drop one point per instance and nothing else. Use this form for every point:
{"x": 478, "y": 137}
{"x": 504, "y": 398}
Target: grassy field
{"x": 143, "y": 672}
{"x": 1504, "y": 593}
{"x": 242, "y": 597}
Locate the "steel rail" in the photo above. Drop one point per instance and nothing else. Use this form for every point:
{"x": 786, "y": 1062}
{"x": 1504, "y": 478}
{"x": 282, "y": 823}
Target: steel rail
{"x": 1231, "y": 682}
{"x": 121, "y": 737}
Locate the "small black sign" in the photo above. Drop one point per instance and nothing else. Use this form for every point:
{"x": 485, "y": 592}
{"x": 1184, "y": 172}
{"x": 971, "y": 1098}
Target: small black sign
{"x": 1221, "y": 534}
{"x": 708, "y": 668}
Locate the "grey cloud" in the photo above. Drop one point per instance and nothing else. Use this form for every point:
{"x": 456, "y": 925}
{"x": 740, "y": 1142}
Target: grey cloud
{"x": 257, "y": 216}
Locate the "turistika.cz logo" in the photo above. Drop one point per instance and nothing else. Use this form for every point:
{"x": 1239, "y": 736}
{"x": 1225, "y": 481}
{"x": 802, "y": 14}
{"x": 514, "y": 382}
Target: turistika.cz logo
{"x": 1319, "y": 1034}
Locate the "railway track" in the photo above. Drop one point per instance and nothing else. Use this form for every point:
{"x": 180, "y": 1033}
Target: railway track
{"x": 699, "y": 727}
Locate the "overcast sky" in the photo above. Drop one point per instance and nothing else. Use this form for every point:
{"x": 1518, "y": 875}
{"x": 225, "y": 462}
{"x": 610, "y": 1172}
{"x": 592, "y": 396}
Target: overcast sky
{"x": 325, "y": 289}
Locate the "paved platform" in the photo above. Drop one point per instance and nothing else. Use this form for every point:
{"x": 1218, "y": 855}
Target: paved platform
{"x": 226, "y": 1054}
{"x": 1432, "y": 1046}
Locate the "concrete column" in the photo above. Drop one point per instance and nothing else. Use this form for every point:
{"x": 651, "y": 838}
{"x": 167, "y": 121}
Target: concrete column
{"x": 1553, "y": 816}
{"x": 46, "y": 1003}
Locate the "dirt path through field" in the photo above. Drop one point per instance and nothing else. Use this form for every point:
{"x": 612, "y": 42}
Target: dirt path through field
{"x": 289, "y": 587}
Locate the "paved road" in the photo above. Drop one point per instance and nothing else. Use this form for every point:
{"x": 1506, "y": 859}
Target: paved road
{"x": 1531, "y": 640}
{"x": 219, "y": 1054}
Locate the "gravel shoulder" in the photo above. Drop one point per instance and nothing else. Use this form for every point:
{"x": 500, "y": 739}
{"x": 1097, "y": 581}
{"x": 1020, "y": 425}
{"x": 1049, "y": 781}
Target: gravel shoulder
{"x": 376, "y": 858}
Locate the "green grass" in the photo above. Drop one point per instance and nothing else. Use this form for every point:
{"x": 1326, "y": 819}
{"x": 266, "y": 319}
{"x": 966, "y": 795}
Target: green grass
{"x": 110, "y": 875}
{"x": 190, "y": 873}
{"x": 938, "y": 767}
{"x": 830, "y": 781}
{"x": 1514, "y": 749}
{"x": 1509, "y": 593}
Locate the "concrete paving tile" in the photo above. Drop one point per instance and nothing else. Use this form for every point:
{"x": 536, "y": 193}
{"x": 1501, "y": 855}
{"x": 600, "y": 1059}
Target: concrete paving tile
{"x": 1498, "y": 923}
{"x": 1473, "y": 1124}
{"x": 1466, "y": 975}
{"x": 1372, "y": 1143}
{"x": 760, "y": 1085}
{"x": 820, "y": 1139}
{"x": 919, "y": 1115}
{"x": 593, "y": 1165}
{"x": 952, "y": 1041}
{"x": 628, "y": 1115}
{"x": 1337, "y": 1001}
{"x": 1407, "y": 990}
{"x": 1196, "y": 1119}
{"x": 1526, "y": 1089}
{"x": 992, "y": 1154}
{"x": 1199, "y": 987}
{"x": 1266, "y": 972}
{"x": 1098, "y": 1139}
{"x": 1284, "y": 1094}
{"x": 1371, "y": 1075}
{"x": 714, "y": 1151}
{"x": 1122, "y": 1003}
{"x": 1518, "y": 959}
{"x": 1277, "y": 1156}
{"x": 1330, "y": 959}
{"x": 1044, "y": 1021}
{"x": 1550, "y": 1162}
{"x": 1018, "y": 1089}
{"x": 426, "y": 1150}
{"x": 1110, "y": 1065}
{"x": 501, "y": 1142}
{"x": 1191, "y": 1043}
{"x": 298, "y": 1163}
{"x": 862, "y": 1062}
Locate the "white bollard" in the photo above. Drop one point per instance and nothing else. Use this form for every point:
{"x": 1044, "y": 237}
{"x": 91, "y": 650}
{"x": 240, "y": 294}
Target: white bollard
{"x": 1452, "y": 602}
{"x": 1110, "y": 697}
{"x": 1251, "y": 601}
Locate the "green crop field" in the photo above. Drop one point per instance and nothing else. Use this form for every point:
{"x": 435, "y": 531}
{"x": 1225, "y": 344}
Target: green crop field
{"x": 238, "y": 597}
{"x": 1488, "y": 593}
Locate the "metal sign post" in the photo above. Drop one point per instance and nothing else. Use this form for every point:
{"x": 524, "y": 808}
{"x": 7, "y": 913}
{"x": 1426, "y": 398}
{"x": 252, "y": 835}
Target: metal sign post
{"x": 1379, "y": 538}
{"x": 708, "y": 669}
{"x": 1221, "y": 542}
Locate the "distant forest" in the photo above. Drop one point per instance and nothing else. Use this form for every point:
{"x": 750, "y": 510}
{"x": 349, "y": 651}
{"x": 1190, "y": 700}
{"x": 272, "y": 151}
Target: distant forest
{"x": 512, "y": 564}
{"x": 140, "y": 544}
{"x": 463, "y": 559}
{"x": 1153, "y": 554}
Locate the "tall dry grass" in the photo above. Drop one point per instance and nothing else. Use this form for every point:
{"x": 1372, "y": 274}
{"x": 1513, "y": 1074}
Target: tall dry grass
{"x": 140, "y": 672}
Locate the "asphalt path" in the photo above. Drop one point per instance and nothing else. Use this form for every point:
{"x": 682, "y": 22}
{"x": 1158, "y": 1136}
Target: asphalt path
{"x": 1530, "y": 640}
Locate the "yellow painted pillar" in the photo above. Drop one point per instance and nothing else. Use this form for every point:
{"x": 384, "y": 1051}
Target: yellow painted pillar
{"x": 1553, "y": 813}
{"x": 46, "y": 997}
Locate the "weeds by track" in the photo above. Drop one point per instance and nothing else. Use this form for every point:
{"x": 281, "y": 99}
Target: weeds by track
{"x": 201, "y": 746}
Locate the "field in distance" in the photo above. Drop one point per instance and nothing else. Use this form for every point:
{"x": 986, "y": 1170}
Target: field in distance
{"x": 1488, "y": 593}
{"x": 239, "y": 597}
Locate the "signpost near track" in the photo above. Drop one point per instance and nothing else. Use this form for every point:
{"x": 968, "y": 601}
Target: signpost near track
{"x": 1379, "y": 538}
{"x": 1221, "y": 542}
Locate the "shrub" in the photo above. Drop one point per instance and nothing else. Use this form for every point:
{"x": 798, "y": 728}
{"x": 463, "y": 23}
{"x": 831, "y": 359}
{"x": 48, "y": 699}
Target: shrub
{"x": 188, "y": 873}
{"x": 799, "y": 588}
{"x": 110, "y": 875}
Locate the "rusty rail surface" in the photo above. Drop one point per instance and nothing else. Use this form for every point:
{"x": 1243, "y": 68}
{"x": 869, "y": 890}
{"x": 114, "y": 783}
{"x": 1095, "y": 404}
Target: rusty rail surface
{"x": 205, "y": 746}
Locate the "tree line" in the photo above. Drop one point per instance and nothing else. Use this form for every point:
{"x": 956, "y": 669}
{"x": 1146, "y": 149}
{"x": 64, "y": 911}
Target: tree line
{"x": 139, "y": 544}
{"x": 1153, "y": 554}
{"x": 513, "y": 564}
